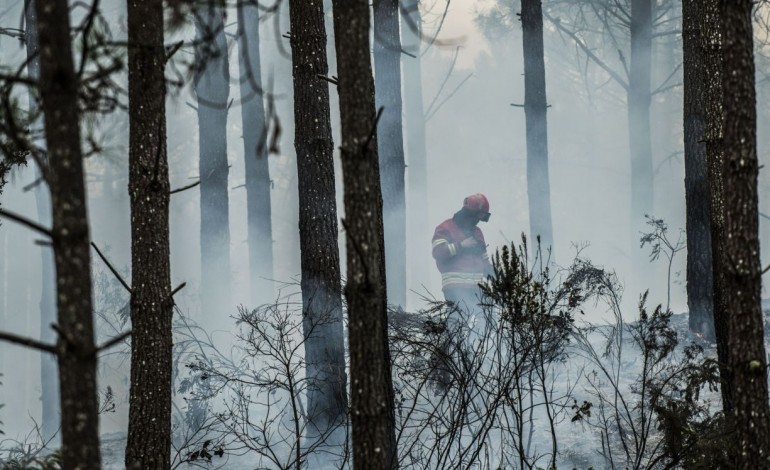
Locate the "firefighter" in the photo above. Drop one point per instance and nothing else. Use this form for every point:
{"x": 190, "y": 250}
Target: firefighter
{"x": 461, "y": 253}
{"x": 461, "y": 256}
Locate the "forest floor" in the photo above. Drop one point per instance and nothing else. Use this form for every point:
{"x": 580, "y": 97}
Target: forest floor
{"x": 580, "y": 445}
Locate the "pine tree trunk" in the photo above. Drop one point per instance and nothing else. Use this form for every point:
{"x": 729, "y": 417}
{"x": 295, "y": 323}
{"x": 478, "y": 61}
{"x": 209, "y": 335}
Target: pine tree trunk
{"x": 149, "y": 421}
{"x": 711, "y": 47}
{"x": 743, "y": 279}
{"x": 700, "y": 280}
{"x": 639, "y": 111}
{"x": 372, "y": 410}
{"x": 390, "y": 144}
{"x": 212, "y": 89}
{"x": 318, "y": 231}
{"x": 50, "y": 422}
{"x": 76, "y": 350}
{"x": 420, "y": 260}
{"x": 258, "y": 184}
{"x": 535, "y": 109}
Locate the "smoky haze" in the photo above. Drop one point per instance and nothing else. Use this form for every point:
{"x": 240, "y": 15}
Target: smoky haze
{"x": 475, "y": 142}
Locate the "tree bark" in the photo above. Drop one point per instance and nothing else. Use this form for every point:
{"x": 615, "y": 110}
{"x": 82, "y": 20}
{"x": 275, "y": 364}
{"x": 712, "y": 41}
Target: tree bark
{"x": 258, "y": 184}
{"x": 419, "y": 259}
{"x": 149, "y": 421}
{"x": 320, "y": 259}
{"x": 639, "y": 111}
{"x": 700, "y": 279}
{"x": 390, "y": 144}
{"x": 50, "y": 417}
{"x": 76, "y": 350}
{"x": 212, "y": 89}
{"x": 713, "y": 72}
{"x": 535, "y": 110}
{"x": 372, "y": 412}
{"x": 742, "y": 277}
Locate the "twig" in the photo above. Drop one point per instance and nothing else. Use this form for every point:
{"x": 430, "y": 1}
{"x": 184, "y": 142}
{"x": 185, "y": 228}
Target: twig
{"x": 111, "y": 268}
{"x": 447, "y": 98}
{"x": 184, "y": 188}
{"x": 113, "y": 341}
{"x": 557, "y": 22}
{"x": 28, "y": 342}
{"x": 171, "y": 50}
{"x": 33, "y": 184}
{"x": 444, "y": 82}
{"x": 332, "y": 80}
{"x": 373, "y": 132}
{"x": 178, "y": 288}
{"x": 26, "y": 222}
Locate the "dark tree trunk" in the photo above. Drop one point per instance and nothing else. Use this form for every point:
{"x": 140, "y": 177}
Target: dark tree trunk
{"x": 713, "y": 73}
{"x": 212, "y": 88}
{"x": 76, "y": 350}
{"x": 742, "y": 275}
{"x": 420, "y": 260}
{"x": 639, "y": 111}
{"x": 390, "y": 144}
{"x": 149, "y": 420}
{"x": 50, "y": 422}
{"x": 535, "y": 109}
{"x": 700, "y": 280}
{"x": 260, "y": 228}
{"x": 320, "y": 259}
{"x": 372, "y": 412}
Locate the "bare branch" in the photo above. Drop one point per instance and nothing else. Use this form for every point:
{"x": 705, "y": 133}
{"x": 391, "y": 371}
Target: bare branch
{"x": 557, "y": 23}
{"x": 178, "y": 288}
{"x": 111, "y": 268}
{"x": 450, "y": 95}
{"x": 27, "y": 342}
{"x": 113, "y": 341}
{"x": 184, "y": 188}
{"x": 26, "y": 222}
{"x": 332, "y": 80}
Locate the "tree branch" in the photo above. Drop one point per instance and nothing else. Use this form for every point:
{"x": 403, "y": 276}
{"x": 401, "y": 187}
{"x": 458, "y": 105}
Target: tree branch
{"x": 27, "y": 342}
{"x": 184, "y": 188}
{"x": 26, "y": 222}
{"x": 557, "y": 22}
{"x": 332, "y": 80}
{"x": 111, "y": 268}
{"x": 113, "y": 341}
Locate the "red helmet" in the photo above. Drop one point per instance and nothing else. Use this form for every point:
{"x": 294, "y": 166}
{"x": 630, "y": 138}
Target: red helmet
{"x": 478, "y": 204}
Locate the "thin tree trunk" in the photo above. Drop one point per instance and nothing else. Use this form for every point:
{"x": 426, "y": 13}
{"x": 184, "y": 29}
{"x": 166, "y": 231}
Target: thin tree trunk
{"x": 149, "y": 420}
{"x": 743, "y": 279}
{"x": 50, "y": 419}
{"x": 713, "y": 72}
{"x": 639, "y": 111}
{"x": 700, "y": 280}
{"x": 419, "y": 259}
{"x": 260, "y": 228}
{"x": 76, "y": 350}
{"x": 372, "y": 412}
{"x": 212, "y": 89}
{"x": 390, "y": 144}
{"x": 535, "y": 109}
{"x": 318, "y": 231}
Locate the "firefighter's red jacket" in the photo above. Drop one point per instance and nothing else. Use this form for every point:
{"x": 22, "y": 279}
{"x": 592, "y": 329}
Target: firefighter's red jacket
{"x": 459, "y": 267}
